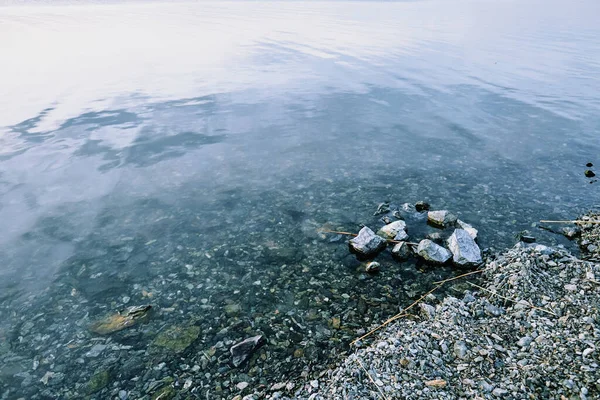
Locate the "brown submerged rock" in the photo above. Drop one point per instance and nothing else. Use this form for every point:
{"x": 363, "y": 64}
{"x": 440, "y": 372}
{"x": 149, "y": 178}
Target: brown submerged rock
{"x": 120, "y": 320}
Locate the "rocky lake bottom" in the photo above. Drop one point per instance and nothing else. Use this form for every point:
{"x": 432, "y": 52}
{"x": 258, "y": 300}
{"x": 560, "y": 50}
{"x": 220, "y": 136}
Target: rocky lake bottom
{"x": 292, "y": 284}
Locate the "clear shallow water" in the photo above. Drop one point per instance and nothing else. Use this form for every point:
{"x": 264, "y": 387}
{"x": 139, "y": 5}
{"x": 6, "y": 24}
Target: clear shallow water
{"x": 191, "y": 150}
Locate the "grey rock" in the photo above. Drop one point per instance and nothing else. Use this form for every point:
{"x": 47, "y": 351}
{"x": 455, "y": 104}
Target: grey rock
{"x": 242, "y": 351}
{"x": 525, "y": 341}
{"x": 382, "y": 208}
{"x": 373, "y": 266}
{"x": 492, "y": 310}
{"x": 499, "y": 392}
{"x": 401, "y": 236}
{"x": 433, "y": 252}
{"x": 465, "y": 251}
{"x": 467, "y": 227}
{"x": 390, "y": 231}
{"x": 367, "y": 243}
{"x": 427, "y": 310}
{"x": 421, "y": 206}
{"x": 402, "y": 251}
{"x": 571, "y": 232}
{"x": 460, "y": 349}
{"x": 95, "y": 350}
{"x": 442, "y": 218}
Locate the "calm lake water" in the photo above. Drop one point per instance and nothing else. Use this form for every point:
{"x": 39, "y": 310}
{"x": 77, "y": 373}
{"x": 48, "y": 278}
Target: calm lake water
{"x": 185, "y": 155}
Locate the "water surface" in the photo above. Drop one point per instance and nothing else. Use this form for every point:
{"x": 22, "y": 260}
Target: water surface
{"x": 186, "y": 154}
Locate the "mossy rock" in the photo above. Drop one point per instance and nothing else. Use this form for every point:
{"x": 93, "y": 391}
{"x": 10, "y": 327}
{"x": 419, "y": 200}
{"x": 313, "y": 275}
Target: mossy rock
{"x": 98, "y": 381}
{"x": 164, "y": 393}
{"x": 176, "y": 338}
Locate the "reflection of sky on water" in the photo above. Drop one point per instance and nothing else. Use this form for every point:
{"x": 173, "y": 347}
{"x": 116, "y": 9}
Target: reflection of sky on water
{"x": 76, "y": 58}
{"x": 139, "y": 100}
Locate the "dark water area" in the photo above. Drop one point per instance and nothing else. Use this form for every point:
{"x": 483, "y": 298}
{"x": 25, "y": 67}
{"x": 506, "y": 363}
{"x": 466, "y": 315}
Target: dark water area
{"x": 187, "y": 155}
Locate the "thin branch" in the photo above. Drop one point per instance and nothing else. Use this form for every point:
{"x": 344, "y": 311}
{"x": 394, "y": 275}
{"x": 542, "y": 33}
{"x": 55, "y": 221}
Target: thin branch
{"x": 371, "y": 378}
{"x": 511, "y": 300}
{"x": 459, "y": 276}
{"x": 395, "y": 317}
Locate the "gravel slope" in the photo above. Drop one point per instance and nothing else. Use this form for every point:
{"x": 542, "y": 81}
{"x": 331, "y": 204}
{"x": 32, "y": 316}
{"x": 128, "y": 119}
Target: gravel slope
{"x": 531, "y": 331}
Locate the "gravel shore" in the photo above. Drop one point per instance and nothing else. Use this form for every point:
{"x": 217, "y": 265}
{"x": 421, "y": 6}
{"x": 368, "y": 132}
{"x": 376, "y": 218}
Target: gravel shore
{"x": 531, "y": 330}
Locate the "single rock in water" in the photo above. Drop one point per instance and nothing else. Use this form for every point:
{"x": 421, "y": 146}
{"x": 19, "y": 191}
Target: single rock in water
{"x": 421, "y": 206}
{"x": 372, "y": 267}
{"x": 177, "y": 338}
{"x": 402, "y": 251}
{"x": 242, "y": 351}
{"x": 433, "y": 252}
{"x": 367, "y": 243}
{"x": 571, "y": 232}
{"x": 125, "y": 319}
{"x": 465, "y": 251}
{"x": 382, "y": 208}
{"x": 467, "y": 227}
{"x": 589, "y": 173}
{"x": 441, "y": 218}
{"x": 98, "y": 381}
{"x": 527, "y": 238}
{"x": 589, "y": 165}
{"x": 390, "y": 231}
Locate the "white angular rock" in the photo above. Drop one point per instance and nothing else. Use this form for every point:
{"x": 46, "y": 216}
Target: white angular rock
{"x": 465, "y": 251}
{"x": 367, "y": 242}
{"x": 433, "y": 252}
{"x": 442, "y": 218}
{"x": 402, "y": 251}
{"x": 467, "y": 227}
{"x": 391, "y": 230}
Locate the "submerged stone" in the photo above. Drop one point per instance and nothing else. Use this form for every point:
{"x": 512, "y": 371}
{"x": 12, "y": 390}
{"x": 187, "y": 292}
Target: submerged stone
{"x": 372, "y": 267}
{"x": 421, "y": 206}
{"x": 242, "y": 351}
{"x": 390, "y": 231}
{"x": 442, "y": 218}
{"x": 367, "y": 243}
{"x": 177, "y": 338}
{"x": 465, "y": 251}
{"x": 433, "y": 252}
{"x": 589, "y": 173}
{"x": 98, "y": 381}
{"x": 120, "y": 320}
{"x": 402, "y": 251}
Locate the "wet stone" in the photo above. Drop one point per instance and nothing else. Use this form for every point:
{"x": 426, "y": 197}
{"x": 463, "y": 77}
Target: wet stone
{"x": 240, "y": 352}
{"x": 119, "y": 321}
{"x": 442, "y": 218}
{"x": 465, "y": 251}
{"x": 373, "y": 267}
{"x": 467, "y": 227}
{"x": 392, "y": 230}
{"x": 421, "y": 206}
{"x": 176, "y": 338}
{"x": 98, "y": 381}
{"x": 402, "y": 251}
{"x": 432, "y": 252}
{"x": 366, "y": 243}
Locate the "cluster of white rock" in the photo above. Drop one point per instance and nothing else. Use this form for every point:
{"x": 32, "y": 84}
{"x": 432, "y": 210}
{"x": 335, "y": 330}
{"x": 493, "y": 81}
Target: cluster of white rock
{"x": 461, "y": 245}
